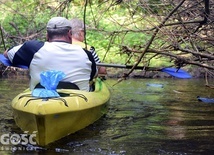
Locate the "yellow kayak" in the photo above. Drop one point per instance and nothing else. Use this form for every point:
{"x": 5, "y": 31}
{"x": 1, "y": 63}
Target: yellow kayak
{"x": 54, "y": 118}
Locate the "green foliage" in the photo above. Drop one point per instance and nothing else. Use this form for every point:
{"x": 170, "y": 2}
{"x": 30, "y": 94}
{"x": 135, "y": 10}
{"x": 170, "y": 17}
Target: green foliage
{"x": 108, "y": 24}
{"x": 24, "y": 18}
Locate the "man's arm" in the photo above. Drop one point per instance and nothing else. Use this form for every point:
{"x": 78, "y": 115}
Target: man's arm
{"x": 23, "y": 54}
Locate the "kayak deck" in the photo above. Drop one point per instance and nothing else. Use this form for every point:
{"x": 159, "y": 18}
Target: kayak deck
{"x": 54, "y": 118}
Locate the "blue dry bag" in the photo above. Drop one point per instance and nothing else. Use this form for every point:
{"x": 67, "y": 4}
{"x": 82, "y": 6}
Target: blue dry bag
{"x": 49, "y": 80}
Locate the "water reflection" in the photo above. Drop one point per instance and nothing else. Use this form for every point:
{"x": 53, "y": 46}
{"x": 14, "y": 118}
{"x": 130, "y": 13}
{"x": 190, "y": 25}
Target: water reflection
{"x": 163, "y": 117}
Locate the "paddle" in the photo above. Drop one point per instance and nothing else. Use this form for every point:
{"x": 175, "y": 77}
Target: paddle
{"x": 7, "y": 62}
{"x": 179, "y": 73}
{"x": 171, "y": 71}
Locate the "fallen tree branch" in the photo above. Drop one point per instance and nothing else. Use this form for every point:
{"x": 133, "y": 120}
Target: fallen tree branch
{"x": 153, "y": 37}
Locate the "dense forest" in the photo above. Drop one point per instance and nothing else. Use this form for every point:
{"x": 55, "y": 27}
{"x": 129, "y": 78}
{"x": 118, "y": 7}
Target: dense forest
{"x": 152, "y": 33}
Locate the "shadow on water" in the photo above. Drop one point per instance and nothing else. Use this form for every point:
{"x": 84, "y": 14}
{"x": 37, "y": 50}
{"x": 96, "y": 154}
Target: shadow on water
{"x": 145, "y": 116}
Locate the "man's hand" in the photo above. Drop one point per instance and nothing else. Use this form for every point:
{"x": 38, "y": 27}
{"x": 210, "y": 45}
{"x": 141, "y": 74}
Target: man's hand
{"x": 5, "y": 53}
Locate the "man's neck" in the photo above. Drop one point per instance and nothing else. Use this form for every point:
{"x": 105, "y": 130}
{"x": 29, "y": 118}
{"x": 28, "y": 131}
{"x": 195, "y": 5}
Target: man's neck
{"x": 59, "y": 40}
{"x": 75, "y": 40}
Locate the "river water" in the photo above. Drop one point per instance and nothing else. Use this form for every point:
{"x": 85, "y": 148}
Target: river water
{"x": 145, "y": 116}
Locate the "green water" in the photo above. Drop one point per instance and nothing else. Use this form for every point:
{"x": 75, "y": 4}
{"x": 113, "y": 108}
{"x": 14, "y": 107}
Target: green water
{"x": 145, "y": 116}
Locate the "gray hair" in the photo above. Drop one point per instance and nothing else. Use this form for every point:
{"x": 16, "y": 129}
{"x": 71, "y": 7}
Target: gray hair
{"x": 77, "y": 25}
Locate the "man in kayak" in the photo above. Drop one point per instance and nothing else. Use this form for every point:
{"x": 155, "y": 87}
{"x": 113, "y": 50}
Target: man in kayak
{"x": 57, "y": 53}
{"x": 78, "y": 37}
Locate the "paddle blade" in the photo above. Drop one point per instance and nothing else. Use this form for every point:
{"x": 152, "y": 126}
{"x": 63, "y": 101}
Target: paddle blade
{"x": 4, "y": 60}
{"x": 7, "y": 62}
{"x": 177, "y": 73}
{"x": 205, "y": 100}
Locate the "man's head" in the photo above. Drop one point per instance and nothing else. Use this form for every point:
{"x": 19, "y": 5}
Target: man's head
{"x": 58, "y": 28}
{"x": 77, "y": 29}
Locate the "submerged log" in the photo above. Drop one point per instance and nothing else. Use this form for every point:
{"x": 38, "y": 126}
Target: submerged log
{"x": 7, "y": 71}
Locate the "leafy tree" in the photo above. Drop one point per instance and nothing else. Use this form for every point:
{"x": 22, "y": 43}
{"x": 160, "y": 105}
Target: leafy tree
{"x": 148, "y": 32}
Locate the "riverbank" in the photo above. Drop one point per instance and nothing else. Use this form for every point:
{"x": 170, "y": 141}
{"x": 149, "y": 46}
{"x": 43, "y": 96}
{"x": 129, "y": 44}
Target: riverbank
{"x": 6, "y": 71}
{"x": 117, "y": 73}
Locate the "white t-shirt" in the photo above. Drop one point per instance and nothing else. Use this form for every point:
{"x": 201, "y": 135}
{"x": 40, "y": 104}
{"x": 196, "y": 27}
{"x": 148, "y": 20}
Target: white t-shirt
{"x": 77, "y": 64}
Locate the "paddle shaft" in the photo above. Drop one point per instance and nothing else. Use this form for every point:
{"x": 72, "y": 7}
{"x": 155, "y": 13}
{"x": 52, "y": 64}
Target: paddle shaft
{"x": 179, "y": 73}
{"x": 128, "y": 66}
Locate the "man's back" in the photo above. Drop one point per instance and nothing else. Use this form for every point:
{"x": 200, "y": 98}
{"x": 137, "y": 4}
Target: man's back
{"x": 70, "y": 59}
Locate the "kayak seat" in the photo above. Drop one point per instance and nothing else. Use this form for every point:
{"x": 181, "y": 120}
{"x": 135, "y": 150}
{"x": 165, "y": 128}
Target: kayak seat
{"x": 62, "y": 85}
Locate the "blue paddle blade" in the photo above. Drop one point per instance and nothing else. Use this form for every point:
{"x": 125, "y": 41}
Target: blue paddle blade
{"x": 205, "y": 100}
{"x": 177, "y": 73}
{"x": 7, "y": 62}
